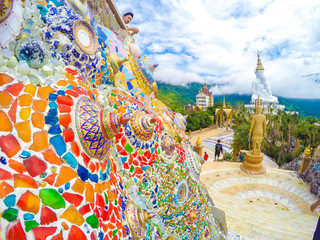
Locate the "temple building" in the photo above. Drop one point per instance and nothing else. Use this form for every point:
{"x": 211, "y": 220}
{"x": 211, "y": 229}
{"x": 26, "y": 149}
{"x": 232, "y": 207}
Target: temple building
{"x": 261, "y": 88}
{"x": 204, "y": 98}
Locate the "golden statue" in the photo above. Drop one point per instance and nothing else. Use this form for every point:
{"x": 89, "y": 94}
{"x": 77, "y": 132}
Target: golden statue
{"x": 253, "y": 159}
{"x": 257, "y": 128}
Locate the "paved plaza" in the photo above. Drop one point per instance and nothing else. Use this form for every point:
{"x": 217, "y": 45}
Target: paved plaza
{"x": 274, "y": 205}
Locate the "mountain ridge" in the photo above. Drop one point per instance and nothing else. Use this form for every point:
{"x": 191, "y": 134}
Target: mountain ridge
{"x": 183, "y": 95}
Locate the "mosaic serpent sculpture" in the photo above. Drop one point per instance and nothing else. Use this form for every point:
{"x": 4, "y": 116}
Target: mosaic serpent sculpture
{"x": 86, "y": 151}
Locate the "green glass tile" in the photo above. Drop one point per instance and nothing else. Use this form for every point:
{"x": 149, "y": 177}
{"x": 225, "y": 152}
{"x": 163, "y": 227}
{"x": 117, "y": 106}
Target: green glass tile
{"x": 10, "y": 214}
{"x": 128, "y": 148}
{"x": 93, "y": 221}
{"x": 30, "y": 225}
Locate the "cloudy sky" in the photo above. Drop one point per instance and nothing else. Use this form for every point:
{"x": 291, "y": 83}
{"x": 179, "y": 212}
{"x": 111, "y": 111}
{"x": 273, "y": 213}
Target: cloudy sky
{"x": 218, "y": 40}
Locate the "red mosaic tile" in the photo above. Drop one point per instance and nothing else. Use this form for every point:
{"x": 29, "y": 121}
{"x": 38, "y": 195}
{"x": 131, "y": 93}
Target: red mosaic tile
{"x": 47, "y": 216}
{"x": 64, "y": 108}
{"x": 65, "y": 120}
{"x": 41, "y": 233}
{"x": 14, "y": 89}
{"x": 9, "y": 145}
{"x": 5, "y": 175}
{"x": 66, "y": 100}
{"x": 35, "y": 166}
{"x": 15, "y": 231}
{"x": 76, "y": 234}
{"x": 68, "y": 135}
{"x": 72, "y": 198}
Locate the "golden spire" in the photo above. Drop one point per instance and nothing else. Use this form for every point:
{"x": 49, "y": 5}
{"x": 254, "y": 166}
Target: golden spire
{"x": 198, "y": 143}
{"x": 259, "y": 65}
{"x": 307, "y": 152}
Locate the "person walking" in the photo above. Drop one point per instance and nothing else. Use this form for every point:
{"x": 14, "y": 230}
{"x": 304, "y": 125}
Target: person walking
{"x": 206, "y": 156}
{"x": 218, "y": 150}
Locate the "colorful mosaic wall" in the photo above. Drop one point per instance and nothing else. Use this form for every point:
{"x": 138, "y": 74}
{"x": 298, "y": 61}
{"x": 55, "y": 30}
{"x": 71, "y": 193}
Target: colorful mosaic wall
{"x": 87, "y": 152}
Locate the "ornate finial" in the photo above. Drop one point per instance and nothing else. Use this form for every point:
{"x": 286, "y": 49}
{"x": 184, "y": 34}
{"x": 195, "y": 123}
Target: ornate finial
{"x": 110, "y": 123}
{"x": 154, "y": 66}
{"x": 198, "y": 142}
{"x": 142, "y": 125}
{"x": 259, "y": 65}
{"x": 307, "y": 152}
{"x": 224, "y": 102}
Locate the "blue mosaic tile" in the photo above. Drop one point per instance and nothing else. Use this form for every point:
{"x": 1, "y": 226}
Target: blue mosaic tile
{"x": 10, "y": 201}
{"x": 59, "y": 144}
{"x": 51, "y": 120}
{"x": 54, "y": 129}
{"x": 83, "y": 173}
{"x": 93, "y": 177}
{"x": 70, "y": 159}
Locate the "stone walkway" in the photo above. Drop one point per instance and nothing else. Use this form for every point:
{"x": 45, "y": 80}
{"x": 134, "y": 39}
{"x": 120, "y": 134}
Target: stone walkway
{"x": 275, "y": 205}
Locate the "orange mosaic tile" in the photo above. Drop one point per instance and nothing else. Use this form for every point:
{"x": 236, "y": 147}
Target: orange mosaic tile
{"x": 65, "y": 175}
{"x": 72, "y": 215}
{"x": 98, "y": 188}
{"x": 13, "y": 110}
{"x": 5, "y": 99}
{"x": 37, "y": 120}
{"x": 25, "y": 100}
{"x": 25, "y": 113}
{"x": 24, "y": 181}
{"x": 17, "y": 166}
{"x": 65, "y": 226}
{"x": 31, "y": 89}
{"x": 4, "y": 79}
{"x": 23, "y": 130}
{"x": 44, "y": 92}
{"x": 50, "y": 156}
{"x": 5, "y": 189}
{"x": 73, "y": 83}
{"x": 5, "y": 123}
{"x": 70, "y": 76}
{"x": 40, "y": 141}
{"x": 62, "y": 83}
{"x": 39, "y": 105}
{"x": 89, "y": 193}
{"x": 79, "y": 186}
{"x": 29, "y": 202}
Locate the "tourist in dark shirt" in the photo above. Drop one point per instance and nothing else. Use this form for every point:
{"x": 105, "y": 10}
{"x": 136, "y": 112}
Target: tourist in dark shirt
{"x": 218, "y": 150}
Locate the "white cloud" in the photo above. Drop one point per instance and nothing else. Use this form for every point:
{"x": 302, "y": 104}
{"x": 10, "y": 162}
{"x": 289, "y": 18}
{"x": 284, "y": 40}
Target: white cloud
{"x": 193, "y": 40}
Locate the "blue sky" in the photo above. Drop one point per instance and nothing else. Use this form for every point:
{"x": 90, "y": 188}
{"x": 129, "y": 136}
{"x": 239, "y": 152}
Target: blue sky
{"x": 218, "y": 40}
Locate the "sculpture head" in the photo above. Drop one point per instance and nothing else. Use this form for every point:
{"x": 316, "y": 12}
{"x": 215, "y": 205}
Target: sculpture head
{"x": 259, "y": 105}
